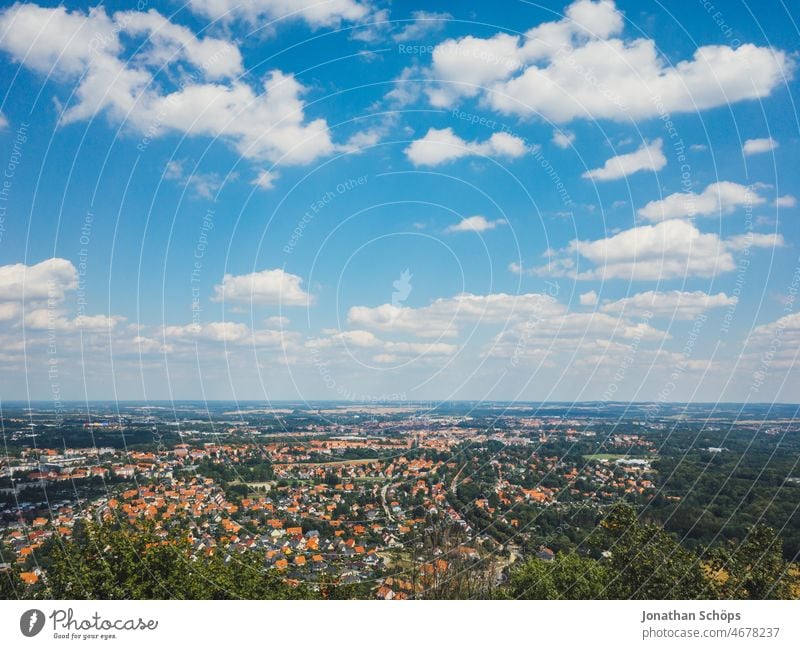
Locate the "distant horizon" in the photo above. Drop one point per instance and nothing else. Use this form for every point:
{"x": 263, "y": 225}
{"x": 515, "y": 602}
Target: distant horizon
{"x": 401, "y": 402}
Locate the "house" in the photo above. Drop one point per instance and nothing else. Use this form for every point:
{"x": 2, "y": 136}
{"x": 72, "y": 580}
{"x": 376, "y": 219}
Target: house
{"x": 29, "y": 578}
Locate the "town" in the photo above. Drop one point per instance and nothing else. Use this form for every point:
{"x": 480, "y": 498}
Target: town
{"x": 396, "y": 501}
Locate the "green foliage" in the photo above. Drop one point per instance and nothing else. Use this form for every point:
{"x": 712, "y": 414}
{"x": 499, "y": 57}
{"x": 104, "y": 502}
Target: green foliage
{"x": 10, "y": 585}
{"x": 754, "y": 569}
{"x": 568, "y": 576}
{"x": 134, "y": 564}
{"x": 642, "y": 561}
{"x": 648, "y": 563}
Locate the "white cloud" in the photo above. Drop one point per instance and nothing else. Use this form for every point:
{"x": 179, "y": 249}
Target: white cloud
{"x": 571, "y": 331}
{"x": 357, "y": 338}
{"x": 265, "y": 179}
{"x": 145, "y": 346}
{"x": 317, "y": 13}
{"x": 407, "y": 88}
{"x": 9, "y": 311}
{"x": 532, "y": 325}
{"x": 759, "y": 145}
{"x": 718, "y": 198}
{"x": 582, "y": 67}
{"x": 772, "y": 347}
{"x": 666, "y": 250}
{"x": 785, "y": 201}
{"x": 232, "y": 333}
{"x": 677, "y": 305}
{"x": 424, "y": 24}
{"x": 56, "y": 320}
{"x": 3, "y": 121}
{"x": 49, "y": 279}
{"x": 563, "y": 139}
{"x": 205, "y": 184}
{"x": 39, "y": 293}
{"x": 755, "y": 240}
{"x": 266, "y": 287}
{"x": 444, "y": 316}
{"x": 669, "y": 249}
{"x": 208, "y": 97}
{"x": 649, "y": 157}
{"x": 475, "y": 223}
{"x": 588, "y": 299}
{"x": 363, "y": 140}
{"x": 442, "y": 145}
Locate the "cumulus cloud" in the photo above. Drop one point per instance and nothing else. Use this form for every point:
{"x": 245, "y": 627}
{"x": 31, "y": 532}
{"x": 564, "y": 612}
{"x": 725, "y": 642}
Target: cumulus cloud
{"x": 785, "y": 201}
{"x": 759, "y": 145}
{"x": 588, "y": 299}
{"x": 677, "y": 305}
{"x": 669, "y": 249}
{"x": 570, "y": 331}
{"x": 439, "y": 146}
{"x": 49, "y": 279}
{"x": 203, "y": 184}
{"x": 718, "y": 198}
{"x": 266, "y": 287}
{"x": 755, "y": 240}
{"x": 265, "y": 179}
{"x": 563, "y": 139}
{"x": 444, "y": 316}
{"x": 475, "y": 223}
{"x": 649, "y": 157}
{"x": 390, "y": 351}
{"x": 209, "y": 98}
{"x": 423, "y": 25}
{"x": 39, "y": 292}
{"x": 582, "y": 67}
{"x": 325, "y": 13}
{"x": 56, "y": 320}
{"x": 531, "y": 325}
{"x": 666, "y": 250}
{"x": 233, "y": 333}
{"x": 772, "y": 347}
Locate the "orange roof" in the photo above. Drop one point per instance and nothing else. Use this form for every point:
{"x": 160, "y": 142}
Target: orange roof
{"x": 29, "y": 578}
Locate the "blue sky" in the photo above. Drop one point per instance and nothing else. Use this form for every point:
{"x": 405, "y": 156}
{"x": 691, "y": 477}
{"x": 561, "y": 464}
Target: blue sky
{"x": 216, "y": 199}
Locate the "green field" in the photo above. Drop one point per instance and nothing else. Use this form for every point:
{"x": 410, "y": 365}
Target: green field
{"x": 605, "y": 456}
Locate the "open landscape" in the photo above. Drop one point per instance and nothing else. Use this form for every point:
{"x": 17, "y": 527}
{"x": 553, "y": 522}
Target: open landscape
{"x": 464, "y": 323}
{"x": 468, "y": 500}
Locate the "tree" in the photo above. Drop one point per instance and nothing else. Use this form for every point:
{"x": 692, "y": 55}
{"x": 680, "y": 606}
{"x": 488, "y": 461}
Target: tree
{"x": 136, "y": 564}
{"x": 647, "y": 563}
{"x": 568, "y": 576}
{"x": 754, "y": 569}
{"x": 11, "y": 587}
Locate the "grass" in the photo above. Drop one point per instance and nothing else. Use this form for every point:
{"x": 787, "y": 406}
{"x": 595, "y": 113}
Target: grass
{"x": 332, "y": 463}
{"x": 605, "y": 456}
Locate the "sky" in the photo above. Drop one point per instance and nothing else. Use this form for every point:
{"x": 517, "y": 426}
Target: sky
{"x": 383, "y": 201}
